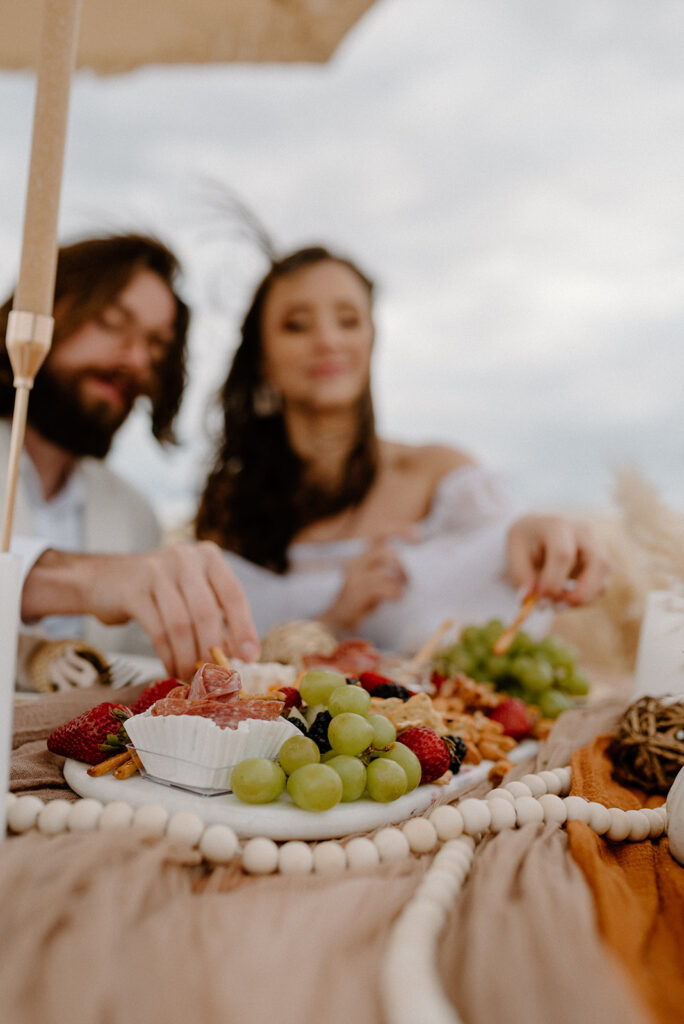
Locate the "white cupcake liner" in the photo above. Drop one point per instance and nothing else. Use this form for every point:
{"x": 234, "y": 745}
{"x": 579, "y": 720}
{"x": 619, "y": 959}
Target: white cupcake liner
{"x": 194, "y": 752}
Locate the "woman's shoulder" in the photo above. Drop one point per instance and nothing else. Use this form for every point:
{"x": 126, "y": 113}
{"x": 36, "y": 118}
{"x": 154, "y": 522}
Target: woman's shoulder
{"x": 433, "y": 461}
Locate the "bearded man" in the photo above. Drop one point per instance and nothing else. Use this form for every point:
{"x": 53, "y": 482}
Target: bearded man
{"x": 89, "y": 541}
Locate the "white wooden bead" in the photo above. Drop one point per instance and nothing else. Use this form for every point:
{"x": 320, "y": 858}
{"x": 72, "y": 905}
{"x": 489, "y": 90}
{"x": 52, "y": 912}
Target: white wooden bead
{"x": 116, "y": 816}
{"x": 362, "y": 853}
{"x": 577, "y": 808}
{"x": 535, "y": 784}
{"x": 503, "y": 815}
{"x": 518, "y": 788}
{"x": 151, "y": 820}
{"x": 455, "y": 851}
{"x": 553, "y": 807}
{"x": 10, "y": 798}
{"x": 500, "y": 794}
{"x": 84, "y": 815}
{"x": 330, "y": 856}
{"x": 639, "y": 825}
{"x": 423, "y": 917}
{"x": 23, "y": 813}
{"x": 447, "y": 821}
{"x": 657, "y": 825}
{"x": 421, "y": 834}
{"x": 392, "y": 844}
{"x": 619, "y": 825}
{"x": 295, "y": 858}
{"x": 186, "y": 827}
{"x": 53, "y": 818}
{"x": 218, "y": 844}
{"x": 551, "y": 781}
{"x": 441, "y": 886}
{"x": 260, "y": 856}
{"x": 528, "y": 810}
{"x": 476, "y": 814}
{"x": 599, "y": 818}
{"x": 564, "y": 775}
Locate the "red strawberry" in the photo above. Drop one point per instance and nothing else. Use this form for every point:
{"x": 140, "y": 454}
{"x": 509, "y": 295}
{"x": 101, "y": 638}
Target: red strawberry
{"x": 291, "y": 696}
{"x": 429, "y": 748}
{"x": 152, "y": 693}
{"x": 515, "y": 717}
{"x": 438, "y": 679}
{"x": 94, "y": 735}
{"x": 369, "y": 680}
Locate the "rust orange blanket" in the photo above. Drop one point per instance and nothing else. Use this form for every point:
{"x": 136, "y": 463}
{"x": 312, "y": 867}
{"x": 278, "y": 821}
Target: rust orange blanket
{"x": 638, "y": 889}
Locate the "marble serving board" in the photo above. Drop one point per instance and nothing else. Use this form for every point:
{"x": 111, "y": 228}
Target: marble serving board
{"x": 282, "y": 820}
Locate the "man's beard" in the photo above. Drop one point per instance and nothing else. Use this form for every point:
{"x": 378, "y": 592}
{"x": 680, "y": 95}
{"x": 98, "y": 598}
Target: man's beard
{"x": 57, "y": 412}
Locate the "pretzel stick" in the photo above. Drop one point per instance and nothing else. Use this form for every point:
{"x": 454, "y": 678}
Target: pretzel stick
{"x": 505, "y": 639}
{"x": 104, "y": 767}
{"x": 429, "y": 647}
{"x": 219, "y": 657}
{"x": 125, "y": 770}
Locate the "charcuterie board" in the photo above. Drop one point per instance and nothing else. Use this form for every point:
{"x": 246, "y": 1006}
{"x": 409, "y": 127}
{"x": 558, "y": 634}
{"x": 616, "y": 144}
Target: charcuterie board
{"x": 282, "y": 820}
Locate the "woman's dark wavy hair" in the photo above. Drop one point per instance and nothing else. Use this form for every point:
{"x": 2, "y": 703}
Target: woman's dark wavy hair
{"x": 90, "y": 274}
{"x": 256, "y": 497}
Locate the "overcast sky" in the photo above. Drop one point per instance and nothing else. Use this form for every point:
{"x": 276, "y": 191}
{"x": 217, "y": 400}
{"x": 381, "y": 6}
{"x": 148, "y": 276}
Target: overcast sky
{"x": 509, "y": 173}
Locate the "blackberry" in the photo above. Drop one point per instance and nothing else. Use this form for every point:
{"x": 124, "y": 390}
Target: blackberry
{"x": 318, "y": 731}
{"x": 457, "y": 751}
{"x": 297, "y": 718}
{"x": 391, "y": 690}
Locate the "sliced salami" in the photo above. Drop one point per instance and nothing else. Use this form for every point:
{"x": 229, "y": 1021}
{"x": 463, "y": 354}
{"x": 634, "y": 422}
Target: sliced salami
{"x": 215, "y": 682}
{"x": 226, "y": 714}
{"x": 350, "y": 657}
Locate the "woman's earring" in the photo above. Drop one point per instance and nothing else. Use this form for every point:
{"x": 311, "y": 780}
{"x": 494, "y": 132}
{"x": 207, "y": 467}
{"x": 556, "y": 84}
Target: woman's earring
{"x": 266, "y": 400}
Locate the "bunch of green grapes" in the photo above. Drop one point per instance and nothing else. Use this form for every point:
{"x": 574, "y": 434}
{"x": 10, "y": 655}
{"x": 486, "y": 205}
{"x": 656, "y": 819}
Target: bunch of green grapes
{"x": 364, "y": 758}
{"x": 542, "y": 672}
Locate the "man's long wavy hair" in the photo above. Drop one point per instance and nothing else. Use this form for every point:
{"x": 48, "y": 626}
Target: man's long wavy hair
{"x": 256, "y": 497}
{"x": 90, "y": 275}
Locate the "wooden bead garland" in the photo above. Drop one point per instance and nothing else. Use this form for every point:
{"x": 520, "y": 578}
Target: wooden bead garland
{"x": 533, "y": 799}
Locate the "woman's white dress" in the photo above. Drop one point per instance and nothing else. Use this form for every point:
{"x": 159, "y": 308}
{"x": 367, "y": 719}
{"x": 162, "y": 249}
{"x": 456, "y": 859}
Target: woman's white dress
{"x": 455, "y": 563}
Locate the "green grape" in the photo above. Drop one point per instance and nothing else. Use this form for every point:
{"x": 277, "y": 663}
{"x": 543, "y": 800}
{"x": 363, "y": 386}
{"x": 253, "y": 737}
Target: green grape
{"x": 492, "y": 631}
{"x": 352, "y": 772}
{"x": 560, "y": 654}
{"x": 471, "y": 635}
{"x": 574, "y": 683}
{"x": 458, "y": 660}
{"x": 535, "y": 675}
{"x": 257, "y": 780}
{"x": 384, "y": 733}
{"x": 386, "y": 780}
{"x": 553, "y": 702}
{"x": 350, "y": 734}
{"x": 317, "y": 685}
{"x": 522, "y": 643}
{"x": 349, "y": 698}
{"x": 405, "y": 757}
{"x": 498, "y": 666}
{"x": 296, "y": 751}
{"x": 315, "y": 787}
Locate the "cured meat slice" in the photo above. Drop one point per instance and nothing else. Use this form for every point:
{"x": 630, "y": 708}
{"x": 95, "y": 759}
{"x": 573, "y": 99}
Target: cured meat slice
{"x": 214, "y": 681}
{"x": 226, "y": 714}
{"x": 350, "y": 657}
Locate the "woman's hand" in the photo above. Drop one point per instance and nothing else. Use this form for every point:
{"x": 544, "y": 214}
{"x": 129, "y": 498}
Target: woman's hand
{"x": 547, "y": 553}
{"x": 372, "y": 578}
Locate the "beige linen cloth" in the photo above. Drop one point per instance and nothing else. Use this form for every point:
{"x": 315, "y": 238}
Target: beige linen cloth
{"x": 107, "y": 928}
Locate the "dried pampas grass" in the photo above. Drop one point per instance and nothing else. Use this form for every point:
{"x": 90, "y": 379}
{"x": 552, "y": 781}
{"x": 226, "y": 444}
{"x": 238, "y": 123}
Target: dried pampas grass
{"x": 645, "y": 542}
{"x": 657, "y": 531}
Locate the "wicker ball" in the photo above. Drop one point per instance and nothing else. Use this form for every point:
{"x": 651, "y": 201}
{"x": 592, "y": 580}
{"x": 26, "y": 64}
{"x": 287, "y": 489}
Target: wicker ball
{"x": 648, "y": 747}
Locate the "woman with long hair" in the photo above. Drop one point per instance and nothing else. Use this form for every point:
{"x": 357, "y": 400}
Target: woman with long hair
{"x": 321, "y": 518}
